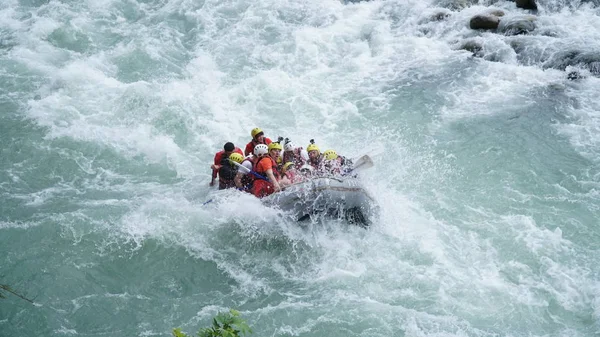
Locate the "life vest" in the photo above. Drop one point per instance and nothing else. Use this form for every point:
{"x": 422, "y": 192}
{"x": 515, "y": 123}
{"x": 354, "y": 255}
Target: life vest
{"x": 262, "y": 188}
{"x": 333, "y": 167}
{"x": 226, "y": 173}
{"x": 248, "y": 179}
{"x": 219, "y": 160}
{"x": 250, "y": 146}
{"x": 294, "y": 156}
{"x": 318, "y": 164}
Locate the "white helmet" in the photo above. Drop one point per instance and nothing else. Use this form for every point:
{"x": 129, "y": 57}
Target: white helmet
{"x": 304, "y": 154}
{"x": 289, "y": 146}
{"x": 306, "y": 167}
{"x": 261, "y": 149}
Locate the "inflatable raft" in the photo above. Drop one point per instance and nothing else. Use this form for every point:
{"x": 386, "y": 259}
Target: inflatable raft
{"x": 342, "y": 197}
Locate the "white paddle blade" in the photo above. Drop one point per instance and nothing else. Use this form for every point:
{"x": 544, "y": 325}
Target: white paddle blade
{"x": 240, "y": 166}
{"x": 363, "y": 162}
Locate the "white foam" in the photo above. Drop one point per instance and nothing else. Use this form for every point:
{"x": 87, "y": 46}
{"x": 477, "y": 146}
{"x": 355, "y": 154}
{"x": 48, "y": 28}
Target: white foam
{"x": 332, "y": 72}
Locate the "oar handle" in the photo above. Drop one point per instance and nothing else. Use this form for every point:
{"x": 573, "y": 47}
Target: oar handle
{"x": 247, "y": 170}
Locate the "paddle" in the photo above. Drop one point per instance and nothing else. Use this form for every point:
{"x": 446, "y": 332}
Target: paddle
{"x": 247, "y": 170}
{"x": 365, "y": 162}
{"x": 362, "y": 163}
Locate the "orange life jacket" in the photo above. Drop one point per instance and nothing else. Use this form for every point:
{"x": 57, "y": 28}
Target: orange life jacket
{"x": 262, "y": 188}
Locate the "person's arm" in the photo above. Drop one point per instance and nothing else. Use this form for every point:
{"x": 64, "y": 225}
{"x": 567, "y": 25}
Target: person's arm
{"x": 238, "y": 180}
{"x": 215, "y": 169}
{"x": 272, "y": 179}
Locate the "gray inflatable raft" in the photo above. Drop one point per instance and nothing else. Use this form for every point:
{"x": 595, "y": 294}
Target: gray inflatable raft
{"x": 333, "y": 197}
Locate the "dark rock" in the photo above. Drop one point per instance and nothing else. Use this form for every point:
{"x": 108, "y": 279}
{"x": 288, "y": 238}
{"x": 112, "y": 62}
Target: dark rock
{"x": 472, "y": 46}
{"x": 589, "y": 61}
{"x": 526, "y": 4}
{"x": 484, "y": 22}
{"x": 574, "y": 75}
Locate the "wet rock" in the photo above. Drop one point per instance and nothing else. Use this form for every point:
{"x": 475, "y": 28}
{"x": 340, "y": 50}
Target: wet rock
{"x": 484, "y": 22}
{"x": 472, "y": 46}
{"x": 588, "y": 60}
{"x": 518, "y": 25}
{"x": 526, "y": 4}
{"x": 575, "y": 75}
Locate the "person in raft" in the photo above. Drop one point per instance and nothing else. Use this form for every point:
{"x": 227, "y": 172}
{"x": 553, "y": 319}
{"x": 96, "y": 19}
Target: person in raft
{"x": 295, "y": 154}
{"x": 244, "y": 180}
{"x": 266, "y": 165}
{"x": 258, "y": 137}
{"x": 222, "y": 166}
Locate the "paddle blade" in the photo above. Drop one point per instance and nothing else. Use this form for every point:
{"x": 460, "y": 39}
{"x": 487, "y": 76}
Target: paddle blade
{"x": 240, "y": 166}
{"x": 362, "y": 163}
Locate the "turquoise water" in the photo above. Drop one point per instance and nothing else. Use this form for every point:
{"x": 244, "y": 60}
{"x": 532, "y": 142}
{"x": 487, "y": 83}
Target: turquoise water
{"x": 487, "y": 170}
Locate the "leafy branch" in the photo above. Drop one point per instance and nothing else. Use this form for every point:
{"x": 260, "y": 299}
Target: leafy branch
{"x": 228, "y": 324}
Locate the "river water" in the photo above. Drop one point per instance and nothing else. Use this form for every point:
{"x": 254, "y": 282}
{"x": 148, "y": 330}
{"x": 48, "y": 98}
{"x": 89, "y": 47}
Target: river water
{"x": 487, "y": 167}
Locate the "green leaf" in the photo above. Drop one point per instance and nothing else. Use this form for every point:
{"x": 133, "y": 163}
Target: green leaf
{"x": 206, "y": 332}
{"x": 244, "y": 329}
{"x": 227, "y": 324}
{"x": 227, "y": 333}
{"x": 177, "y": 333}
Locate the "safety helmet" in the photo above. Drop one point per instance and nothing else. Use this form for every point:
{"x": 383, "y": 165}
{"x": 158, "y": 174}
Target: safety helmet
{"x": 312, "y": 147}
{"x": 236, "y": 157}
{"x": 306, "y": 168}
{"x": 286, "y": 166}
{"x": 275, "y": 145}
{"x": 330, "y": 155}
{"x": 304, "y": 154}
{"x": 260, "y": 149}
{"x": 289, "y": 146}
{"x": 255, "y": 132}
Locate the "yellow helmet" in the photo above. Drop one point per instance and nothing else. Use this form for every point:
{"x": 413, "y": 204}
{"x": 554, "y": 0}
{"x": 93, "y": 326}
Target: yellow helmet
{"x": 312, "y": 147}
{"x": 330, "y": 155}
{"x": 255, "y": 132}
{"x": 276, "y": 146}
{"x": 286, "y": 166}
{"x": 236, "y": 157}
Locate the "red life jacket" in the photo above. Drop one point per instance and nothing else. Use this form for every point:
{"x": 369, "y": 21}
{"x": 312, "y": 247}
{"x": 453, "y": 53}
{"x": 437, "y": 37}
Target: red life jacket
{"x": 219, "y": 158}
{"x": 250, "y": 146}
{"x": 262, "y": 188}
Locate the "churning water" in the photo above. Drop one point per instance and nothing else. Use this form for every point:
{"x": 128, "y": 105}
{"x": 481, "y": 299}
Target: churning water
{"x": 487, "y": 167}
